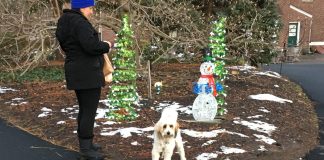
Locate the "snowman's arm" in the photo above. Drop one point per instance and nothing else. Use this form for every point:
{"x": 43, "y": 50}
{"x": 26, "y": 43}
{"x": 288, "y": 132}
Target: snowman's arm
{"x": 196, "y": 88}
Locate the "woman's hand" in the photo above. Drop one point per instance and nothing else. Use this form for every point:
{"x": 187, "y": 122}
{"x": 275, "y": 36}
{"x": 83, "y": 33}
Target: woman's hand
{"x": 110, "y": 44}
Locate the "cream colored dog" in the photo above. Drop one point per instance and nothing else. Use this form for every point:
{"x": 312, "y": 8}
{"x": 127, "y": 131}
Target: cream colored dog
{"x": 167, "y": 136}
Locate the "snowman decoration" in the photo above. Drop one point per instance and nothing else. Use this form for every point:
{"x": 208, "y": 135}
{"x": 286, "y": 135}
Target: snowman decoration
{"x": 205, "y": 105}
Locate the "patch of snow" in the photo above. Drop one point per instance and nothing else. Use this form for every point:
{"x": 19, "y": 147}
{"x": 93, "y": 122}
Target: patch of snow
{"x": 269, "y": 73}
{"x": 61, "y": 122}
{"x": 257, "y": 125}
{"x": 106, "y": 129}
{"x": 74, "y": 111}
{"x": 242, "y": 68}
{"x": 176, "y": 106}
{"x": 262, "y": 109}
{"x": 95, "y": 125}
{"x": 105, "y": 102}
{"x": 71, "y": 117}
{"x": 269, "y": 97}
{"x": 256, "y": 116}
{"x": 264, "y": 139}
{"x": 209, "y": 134}
{"x": 229, "y": 150}
{"x": 135, "y": 143}
{"x": 277, "y": 86}
{"x": 44, "y": 109}
{"x": 262, "y": 148}
{"x": 16, "y": 102}
{"x": 64, "y": 110}
{"x": 207, "y": 156}
{"x": 127, "y": 132}
{"x": 5, "y": 89}
{"x": 46, "y": 112}
{"x": 70, "y": 110}
{"x": 186, "y": 109}
{"x": 17, "y": 99}
{"x": 101, "y": 113}
{"x": 208, "y": 143}
{"x": 150, "y": 136}
{"x": 236, "y": 118}
{"x": 109, "y": 123}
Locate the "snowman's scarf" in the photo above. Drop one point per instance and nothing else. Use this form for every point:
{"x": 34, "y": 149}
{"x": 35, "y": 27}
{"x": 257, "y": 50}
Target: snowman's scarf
{"x": 211, "y": 82}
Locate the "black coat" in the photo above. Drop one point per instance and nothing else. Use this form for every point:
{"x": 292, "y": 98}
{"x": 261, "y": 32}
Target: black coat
{"x": 83, "y": 49}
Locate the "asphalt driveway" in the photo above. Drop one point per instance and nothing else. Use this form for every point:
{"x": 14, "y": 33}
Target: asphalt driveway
{"x": 308, "y": 73}
{"x": 16, "y": 144}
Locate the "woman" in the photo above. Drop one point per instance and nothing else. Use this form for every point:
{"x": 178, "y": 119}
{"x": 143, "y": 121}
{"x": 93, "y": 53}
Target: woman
{"x": 83, "y": 68}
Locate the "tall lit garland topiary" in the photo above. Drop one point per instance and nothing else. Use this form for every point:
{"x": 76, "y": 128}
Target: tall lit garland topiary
{"x": 218, "y": 49}
{"x": 122, "y": 96}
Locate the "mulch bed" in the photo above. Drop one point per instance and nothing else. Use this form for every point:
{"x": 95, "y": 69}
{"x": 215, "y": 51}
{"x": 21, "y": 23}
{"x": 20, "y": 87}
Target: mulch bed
{"x": 296, "y": 133}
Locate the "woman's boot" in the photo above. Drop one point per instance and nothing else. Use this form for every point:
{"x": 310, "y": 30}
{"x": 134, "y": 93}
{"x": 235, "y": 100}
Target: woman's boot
{"x": 87, "y": 152}
{"x": 96, "y": 147}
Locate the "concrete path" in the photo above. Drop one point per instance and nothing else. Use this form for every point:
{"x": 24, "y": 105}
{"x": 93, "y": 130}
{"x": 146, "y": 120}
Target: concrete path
{"x": 16, "y": 144}
{"x": 309, "y": 73}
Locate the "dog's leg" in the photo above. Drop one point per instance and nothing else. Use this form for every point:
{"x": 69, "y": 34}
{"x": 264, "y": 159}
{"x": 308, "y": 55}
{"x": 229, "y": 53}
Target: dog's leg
{"x": 156, "y": 151}
{"x": 155, "y": 155}
{"x": 180, "y": 148}
{"x": 168, "y": 154}
{"x": 181, "y": 151}
{"x": 157, "y": 148}
{"x": 168, "y": 150}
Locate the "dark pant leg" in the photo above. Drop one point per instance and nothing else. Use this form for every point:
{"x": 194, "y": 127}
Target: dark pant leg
{"x": 88, "y": 100}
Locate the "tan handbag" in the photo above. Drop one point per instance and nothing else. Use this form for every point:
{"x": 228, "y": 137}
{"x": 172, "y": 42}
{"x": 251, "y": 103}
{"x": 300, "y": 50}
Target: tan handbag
{"x": 107, "y": 69}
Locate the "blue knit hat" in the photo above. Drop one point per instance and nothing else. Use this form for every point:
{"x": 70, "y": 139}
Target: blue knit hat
{"x": 82, "y": 3}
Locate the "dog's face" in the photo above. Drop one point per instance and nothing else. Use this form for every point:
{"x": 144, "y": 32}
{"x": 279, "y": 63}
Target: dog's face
{"x": 168, "y": 129}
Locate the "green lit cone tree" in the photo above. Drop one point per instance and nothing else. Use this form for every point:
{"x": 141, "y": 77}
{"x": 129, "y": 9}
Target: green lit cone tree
{"x": 218, "y": 49}
{"x": 123, "y": 96}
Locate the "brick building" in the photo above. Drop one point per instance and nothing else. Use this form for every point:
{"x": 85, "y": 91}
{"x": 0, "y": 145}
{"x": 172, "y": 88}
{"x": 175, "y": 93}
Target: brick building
{"x": 303, "y": 24}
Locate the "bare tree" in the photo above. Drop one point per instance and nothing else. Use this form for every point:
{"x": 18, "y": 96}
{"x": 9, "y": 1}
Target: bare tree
{"x": 171, "y": 26}
{"x": 26, "y": 33}
{"x": 27, "y": 28}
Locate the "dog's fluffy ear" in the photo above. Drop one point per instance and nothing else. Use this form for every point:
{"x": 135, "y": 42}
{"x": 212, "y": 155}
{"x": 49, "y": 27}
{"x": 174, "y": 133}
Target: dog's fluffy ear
{"x": 176, "y": 129}
{"x": 158, "y": 128}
